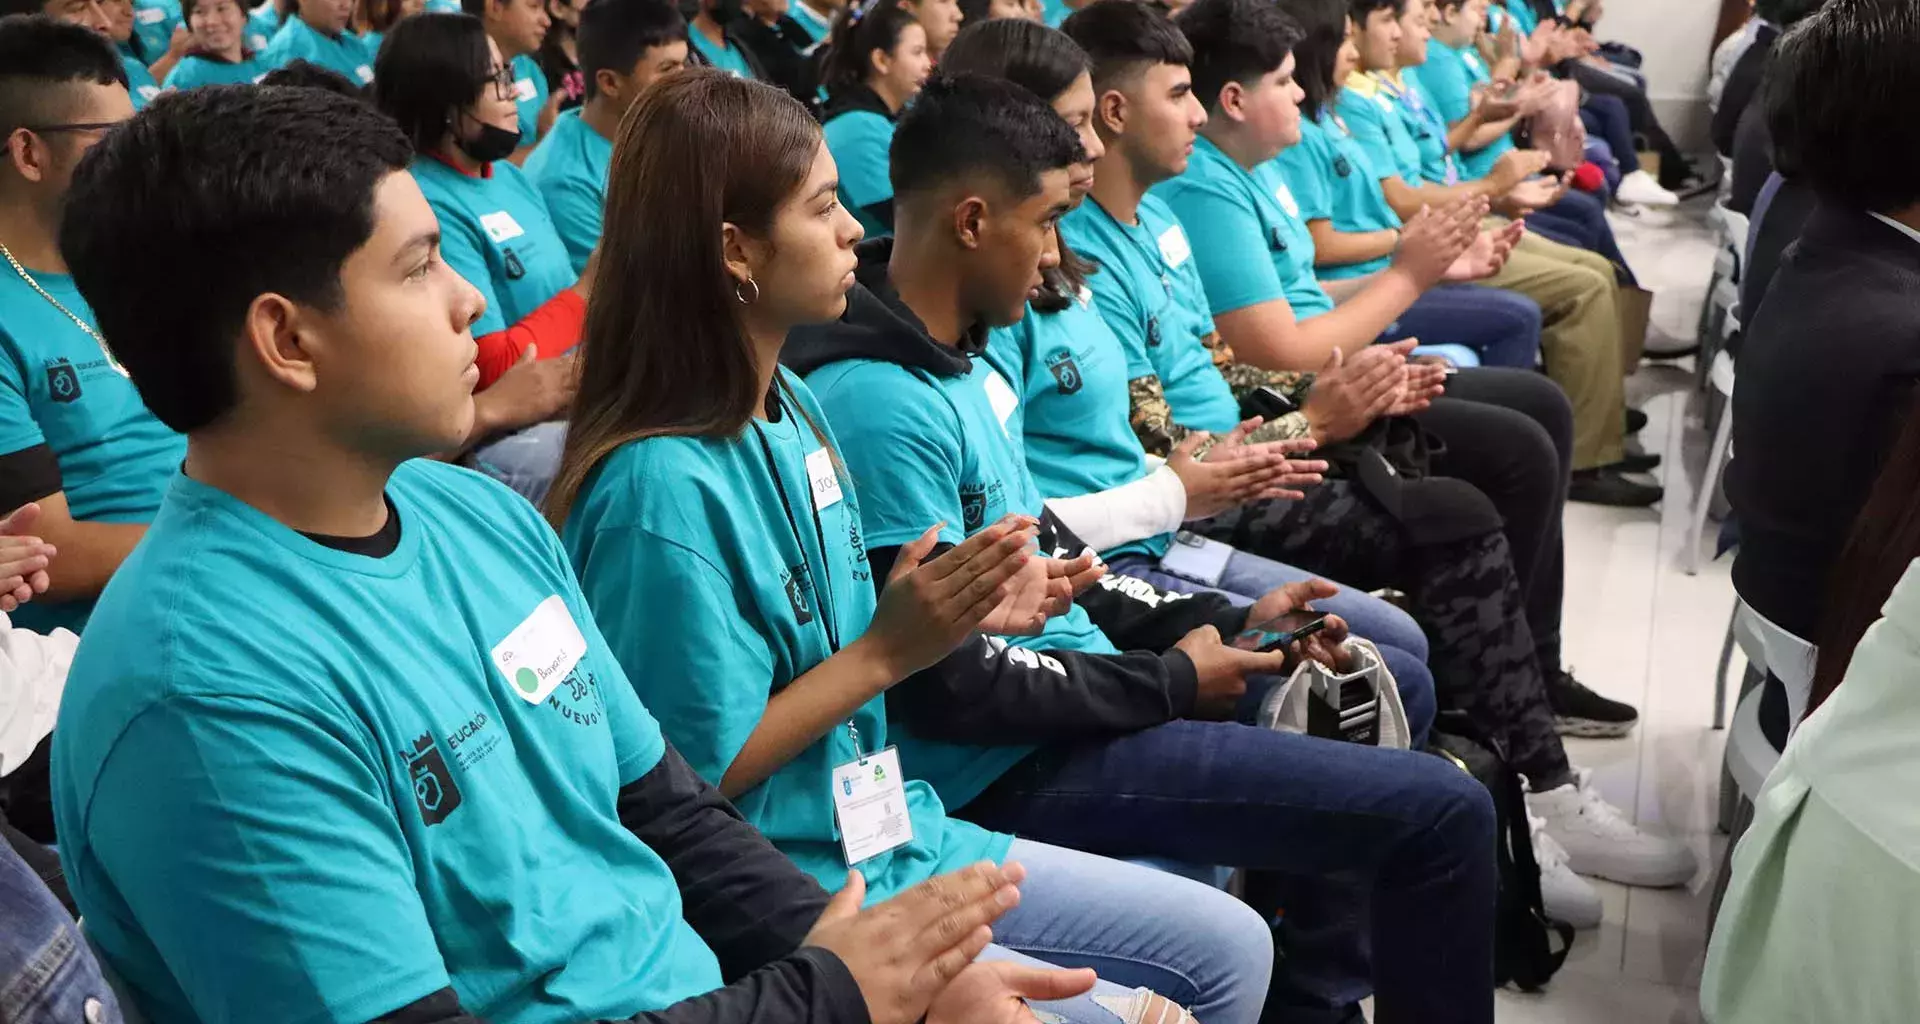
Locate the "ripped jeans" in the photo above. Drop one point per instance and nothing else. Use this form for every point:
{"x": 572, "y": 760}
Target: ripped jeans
{"x": 1138, "y": 928}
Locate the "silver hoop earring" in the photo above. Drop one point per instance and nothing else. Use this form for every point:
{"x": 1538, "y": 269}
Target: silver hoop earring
{"x": 748, "y": 283}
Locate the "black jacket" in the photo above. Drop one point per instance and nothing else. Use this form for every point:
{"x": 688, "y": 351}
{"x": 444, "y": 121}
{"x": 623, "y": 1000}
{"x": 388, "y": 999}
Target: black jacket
{"x": 1743, "y": 87}
{"x": 987, "y": 693}
{"x": 1827, "y": 373}
{"x": 781, "y": 51}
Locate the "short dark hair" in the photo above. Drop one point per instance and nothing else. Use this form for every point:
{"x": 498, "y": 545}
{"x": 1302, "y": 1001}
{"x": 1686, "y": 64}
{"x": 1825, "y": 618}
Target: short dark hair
{"x": 11, "y": 8}
{"x": 859, "y": 30}
{"x": 305, "y": 74}
{"x": 430, "y": 66}
{"x": 1124, "y": 38}
{"x": 477, "y": 7}
{"x": 1786, "y": 13}
{"x": 1836, "y": 103}
{"x": 1234, "y": 41}
{"x": 270, "y": 188}
{"x": 1359, "y": 9}
{"x": 966, "y": 125}
{"x": 1041, "y": 60}
{"x": 1323, "y": 30}
{"x": 615, "y": 34}
{"x": 39, "y": 58}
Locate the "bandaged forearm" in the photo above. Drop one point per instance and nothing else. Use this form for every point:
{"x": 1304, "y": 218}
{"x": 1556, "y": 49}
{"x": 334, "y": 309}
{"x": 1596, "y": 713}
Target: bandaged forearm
{"x": 1147, "y": 507}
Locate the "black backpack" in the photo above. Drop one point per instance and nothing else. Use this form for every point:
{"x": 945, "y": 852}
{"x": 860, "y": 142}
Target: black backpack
{"x": 1523, "y": 951}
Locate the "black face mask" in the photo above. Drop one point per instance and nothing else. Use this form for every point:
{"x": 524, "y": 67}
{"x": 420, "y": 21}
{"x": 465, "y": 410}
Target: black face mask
{"x": 491, "y": 144}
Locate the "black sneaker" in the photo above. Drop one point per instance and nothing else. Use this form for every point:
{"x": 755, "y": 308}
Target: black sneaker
{"x": 1578, "y": 711}
{"x": 1635, "y": 462}
{"x": 1636, "y": 421}
{"x": 1606, "y": 486}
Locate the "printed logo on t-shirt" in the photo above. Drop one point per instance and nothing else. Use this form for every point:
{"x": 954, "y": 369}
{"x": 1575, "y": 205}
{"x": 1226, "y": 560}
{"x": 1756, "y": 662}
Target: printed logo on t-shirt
{"x": 1287, "y": 203}
{"x": 472, "y": 740}
{"x": 63, "y": 381}
{"x": 500, "y": 226}
{"x": 523, "y": 90}
{"x": 857, "y": 546}
{"x": 1066, "y": 373}
{"x": 1342, "y": 166}
{"x": 1174, "y": 247}
{"x": 973, "y": 506}
{"x": 515, "y": 269}
{"x": 433, "y": 787}
{"x": 793, "y": 582}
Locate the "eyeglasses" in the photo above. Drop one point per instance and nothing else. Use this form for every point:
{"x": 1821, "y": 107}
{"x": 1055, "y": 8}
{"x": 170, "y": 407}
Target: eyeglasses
{"x": 502, "y": 82}
{"x": 74, "y": 126}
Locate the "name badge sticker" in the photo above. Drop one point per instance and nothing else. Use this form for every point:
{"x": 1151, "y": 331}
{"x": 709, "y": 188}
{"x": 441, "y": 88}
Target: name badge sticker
{"x": 1174, "y": 247}
{"x": 540, "y": 651}
{"x": 1287, "y": 202}
{"x": 500, "y": 226}
{"x": 150, "y": 15}
{"x": 523, "y": 90}
{"x": 824, "y": 480}
{"x": 1001, "y": 396}
{"x": 870, "y": 801}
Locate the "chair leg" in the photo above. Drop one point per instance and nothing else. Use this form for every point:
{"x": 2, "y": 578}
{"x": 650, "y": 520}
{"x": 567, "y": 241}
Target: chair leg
{"x": 1709, "y": 482}
{"x": 1720, "y": 677}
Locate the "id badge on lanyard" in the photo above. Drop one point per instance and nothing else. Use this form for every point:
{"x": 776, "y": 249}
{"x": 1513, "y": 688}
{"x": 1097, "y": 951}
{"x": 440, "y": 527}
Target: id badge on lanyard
{"x": 870, "y": 803}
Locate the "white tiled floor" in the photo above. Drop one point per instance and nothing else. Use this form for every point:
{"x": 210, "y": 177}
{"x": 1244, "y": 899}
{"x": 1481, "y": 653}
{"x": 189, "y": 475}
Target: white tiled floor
{"x": 1638, "y": 629}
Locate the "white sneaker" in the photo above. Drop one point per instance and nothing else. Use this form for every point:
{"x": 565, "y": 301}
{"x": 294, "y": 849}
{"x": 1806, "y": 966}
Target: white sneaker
{"x": 1600, "y": 841}
{"x": 1568, "y": 897}
{"x": 1640, "y": 188}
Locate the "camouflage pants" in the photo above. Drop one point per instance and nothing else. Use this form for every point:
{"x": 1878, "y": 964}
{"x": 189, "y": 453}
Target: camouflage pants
{"x": 1463, "y": 593}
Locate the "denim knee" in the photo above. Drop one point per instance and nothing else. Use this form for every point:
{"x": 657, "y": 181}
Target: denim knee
{"x": 1460, "y": 819}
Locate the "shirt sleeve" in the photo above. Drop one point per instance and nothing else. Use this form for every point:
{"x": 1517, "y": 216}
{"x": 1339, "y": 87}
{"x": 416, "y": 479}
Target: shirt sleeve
{"x": 461, "y": 248}
{"x": 1233, "y": 256}
{"x": 270, "y": 867}
{"x": 577, "y": 211}
{"x": 861, "y": 147}
{"x": 18, "y": 429}
{"x": 906, "y": 473}
{"x": 1368, "y": 124}
{"x": 678, "y": 637}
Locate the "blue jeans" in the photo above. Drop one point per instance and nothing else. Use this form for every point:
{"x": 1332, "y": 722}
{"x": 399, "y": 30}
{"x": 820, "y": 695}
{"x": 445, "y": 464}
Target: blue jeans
{"x": 1503, "y": 326}
{"x": 1397, "y": 842}
{"x": 1249, "y": 577}
{"x": 525, "y": 460}
{"x": 1139, "y": 928}
{"x": 47, "y": 971}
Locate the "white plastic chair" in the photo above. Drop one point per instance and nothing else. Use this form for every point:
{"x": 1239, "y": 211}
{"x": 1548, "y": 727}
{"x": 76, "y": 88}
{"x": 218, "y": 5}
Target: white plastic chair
{"x": 1719, "y": 315}
{"x": 1772, "y": 650}
{"x": 1721, "y": 377}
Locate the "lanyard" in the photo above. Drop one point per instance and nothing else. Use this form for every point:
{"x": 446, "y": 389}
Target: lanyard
{"x": 822, "y": 587}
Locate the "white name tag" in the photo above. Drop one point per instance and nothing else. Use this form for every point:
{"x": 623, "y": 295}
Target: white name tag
{"x": 150, "y": 15}
{"x": 540, "y": 652}
{"x": 1085, "y": 297}
{"x": 148, "y": 92}
{"x": 870, "y": 799}
{"x": 1174, "y": 247}
{"x": 824, "y": 480}
{"x": 523, "y": 90}
{"x": 1001, "y": 396}
{"x": 364, "y": 73}
{"x": 1285, "y": 196}
{"x": 501, "y": 226}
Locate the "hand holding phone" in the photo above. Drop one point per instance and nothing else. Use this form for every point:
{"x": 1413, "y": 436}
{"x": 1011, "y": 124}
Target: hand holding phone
{"x": 1281, "y": 632}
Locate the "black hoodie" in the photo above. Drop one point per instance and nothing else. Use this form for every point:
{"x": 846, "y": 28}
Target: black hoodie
{"x": 986, "y": 693}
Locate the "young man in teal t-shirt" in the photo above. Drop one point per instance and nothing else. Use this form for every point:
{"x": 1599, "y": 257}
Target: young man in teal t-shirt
{"x": 1060, "y": 737}
{"x": 74, "y": 433}
{"x": 624, "y": 46}
{"x": 446, "y": 803}
{"x": 518, "y": 27}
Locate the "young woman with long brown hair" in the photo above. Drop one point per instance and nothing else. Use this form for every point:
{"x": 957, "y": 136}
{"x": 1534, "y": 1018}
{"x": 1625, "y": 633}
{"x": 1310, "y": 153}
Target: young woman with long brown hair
{"x": 717, "y": 538}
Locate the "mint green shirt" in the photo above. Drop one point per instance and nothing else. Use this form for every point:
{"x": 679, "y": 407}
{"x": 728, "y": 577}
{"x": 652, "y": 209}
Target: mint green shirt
{"x": 1150, "y": 294}
{"x": 58, "y": 389}
{"x": 569, "y": 168}
{"x": 1334, "y": 179}
{"x": 299, "y": 784}
{"x": 296, "y": 40}
{"x": 1249, "y": 239}
{"x": 714, "y": 600}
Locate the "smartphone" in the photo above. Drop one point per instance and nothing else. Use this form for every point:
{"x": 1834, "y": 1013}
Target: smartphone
{"x": 1281, "y": 631}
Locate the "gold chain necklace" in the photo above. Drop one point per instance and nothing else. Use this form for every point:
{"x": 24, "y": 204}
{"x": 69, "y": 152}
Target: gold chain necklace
{"x": 57, "y": 304}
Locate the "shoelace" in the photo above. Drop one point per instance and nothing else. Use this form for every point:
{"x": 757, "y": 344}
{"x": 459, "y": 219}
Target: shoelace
{"x": 1594, "y": 809}
{"x": 1547, "y": 852}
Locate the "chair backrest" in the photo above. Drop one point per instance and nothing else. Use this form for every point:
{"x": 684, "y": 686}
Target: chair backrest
{"x": 1785, "y": 656}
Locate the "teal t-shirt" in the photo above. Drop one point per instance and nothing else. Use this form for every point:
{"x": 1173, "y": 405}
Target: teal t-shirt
{"x": 925, "y": 449}
{"x": 1055, "y": 12}
{"x": 296, "y": 40}
{"x": 1447, "y": 80}
{"x": 817, "y": 26}
{"x": 569, "y": 168}
{"x": 861, "y": 141}
{"x": 1249, "y": 241}
{"x": 530, "y": 95}
{"x": 495, "y": 232}
{"x": 1524, "y": 20}
{"x": 154, "y": 22}
{"x": 1071, "y": 373}
{"x": 726, "y": 58}
{"x": 58, "y": 389}
{"x": 140, "y": 84}
{"x": 194, "y": 71}
{"x": 361, "y": 805}
{"x": 1425, "y": 127}
{"x": 1375, "y": 121}
{"x": 263, "y": 23}
{"x": 714, "y": 600}
{"x": 1150, "y": 295}
{"x": 1334, "y": 179}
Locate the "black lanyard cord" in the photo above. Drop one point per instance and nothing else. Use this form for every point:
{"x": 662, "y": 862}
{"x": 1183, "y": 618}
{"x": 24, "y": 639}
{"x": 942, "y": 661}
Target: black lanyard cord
{"x": 822, "y": 587}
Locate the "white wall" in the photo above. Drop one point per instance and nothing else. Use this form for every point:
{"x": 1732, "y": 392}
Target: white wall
{"x": 1677, "y": 38}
